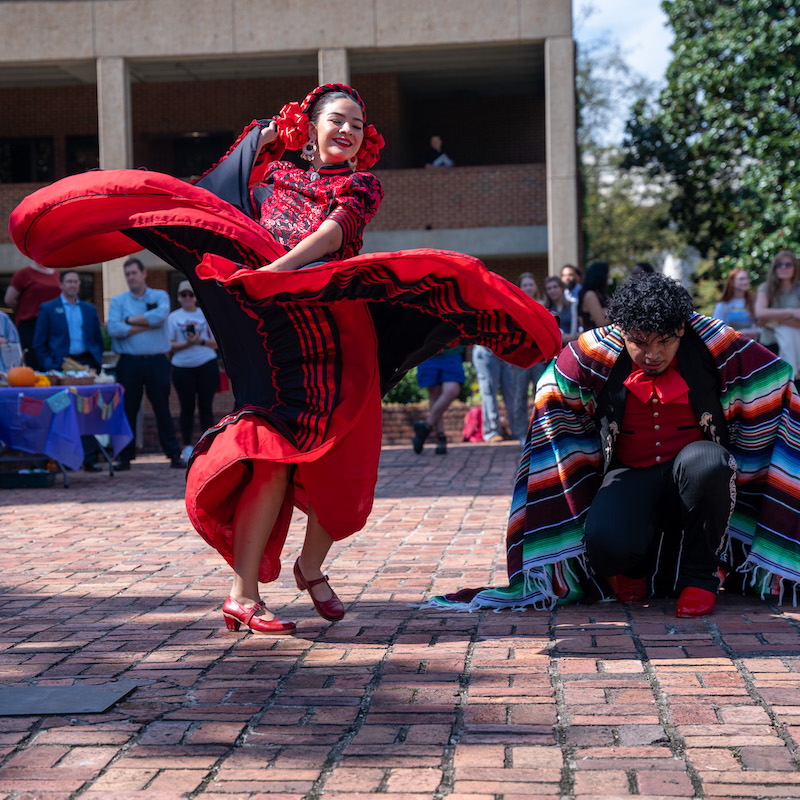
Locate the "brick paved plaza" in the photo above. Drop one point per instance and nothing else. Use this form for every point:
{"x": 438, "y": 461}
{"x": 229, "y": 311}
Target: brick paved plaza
{"x": 106, "y": 580}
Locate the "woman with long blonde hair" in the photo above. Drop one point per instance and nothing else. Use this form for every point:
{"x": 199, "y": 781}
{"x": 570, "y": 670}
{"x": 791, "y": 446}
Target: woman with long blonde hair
{"x": 736, "y": 306}
{"x": 778, "y": 308}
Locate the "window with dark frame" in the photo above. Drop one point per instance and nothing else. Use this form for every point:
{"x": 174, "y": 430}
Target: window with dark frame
{"x": 26, "y": 159}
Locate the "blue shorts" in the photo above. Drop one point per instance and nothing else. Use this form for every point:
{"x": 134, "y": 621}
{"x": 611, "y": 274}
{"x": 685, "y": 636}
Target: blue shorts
{"x": 440, "y": 369}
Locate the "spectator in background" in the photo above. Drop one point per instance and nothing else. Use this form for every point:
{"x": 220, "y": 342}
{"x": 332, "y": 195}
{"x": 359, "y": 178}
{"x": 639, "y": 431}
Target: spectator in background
{"x": 30, "y": 287}
{"x": 736, "y": 307}
{"x": 436, "y": 157}
{"x": 523, "y": 377}
{"x": 567, "y": 312}
{"x": 10, "y": 351}
{"x": 195, "y": 370}
{"x": 68, "y": 327}
{"x": 593, "y": 297}
{"x": 137, "y": 326}
{"x": 494, "y": 374}
{"x": 442, "y": 376}
{"x": 571, "y": 278}
{"x": 778, "y": 309}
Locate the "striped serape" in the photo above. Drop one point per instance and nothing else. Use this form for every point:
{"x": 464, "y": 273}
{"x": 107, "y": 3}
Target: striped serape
{"x": 563, "y": 461}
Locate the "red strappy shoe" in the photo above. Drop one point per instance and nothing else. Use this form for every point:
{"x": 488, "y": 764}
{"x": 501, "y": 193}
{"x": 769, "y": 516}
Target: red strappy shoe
{"x": 332, "y": 609}
{"x": 236, "y": 614}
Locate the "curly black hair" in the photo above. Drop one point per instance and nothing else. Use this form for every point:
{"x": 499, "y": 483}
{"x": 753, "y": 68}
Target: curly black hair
{"x": 651, "y": 304}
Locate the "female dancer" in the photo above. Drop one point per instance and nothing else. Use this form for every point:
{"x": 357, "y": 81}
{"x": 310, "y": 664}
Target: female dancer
{"x": 593, "y": 297}
{"x": 736, "y": 305}
{"x": 778, "y": 308}
{"x": 309, "y": 350}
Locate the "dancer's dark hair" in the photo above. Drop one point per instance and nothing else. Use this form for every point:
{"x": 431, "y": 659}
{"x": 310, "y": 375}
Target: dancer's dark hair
{"x": 651, "y": 304}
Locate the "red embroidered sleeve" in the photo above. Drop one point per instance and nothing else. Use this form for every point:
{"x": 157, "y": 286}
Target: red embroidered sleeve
{"x": 357, "y": 203}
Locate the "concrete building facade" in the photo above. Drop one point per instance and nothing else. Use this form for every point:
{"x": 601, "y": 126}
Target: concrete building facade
{"x": 168, "y": 84}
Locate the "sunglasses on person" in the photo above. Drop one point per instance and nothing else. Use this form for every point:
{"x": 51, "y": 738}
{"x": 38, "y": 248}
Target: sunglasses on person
{"x": 783, "y": 264}
{"x": 185, "y": 294}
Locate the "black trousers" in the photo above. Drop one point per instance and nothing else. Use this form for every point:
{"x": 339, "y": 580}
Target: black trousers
{"x": 690, "y": 496}
{"x": 138, "y": 374}
{"x": 26, "y": 329}
{"x": 198, "y": 383}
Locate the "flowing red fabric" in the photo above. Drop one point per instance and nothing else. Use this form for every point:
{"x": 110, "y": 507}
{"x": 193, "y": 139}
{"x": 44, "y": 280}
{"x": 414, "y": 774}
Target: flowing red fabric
{"x": 431, "y": 298}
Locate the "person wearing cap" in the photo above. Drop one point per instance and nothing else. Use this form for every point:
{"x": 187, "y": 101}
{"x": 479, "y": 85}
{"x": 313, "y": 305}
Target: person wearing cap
{"x": 137, "y": 327}
{"x": 195, "y": 370}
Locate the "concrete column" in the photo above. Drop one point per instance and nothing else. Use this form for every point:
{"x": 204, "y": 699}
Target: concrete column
{"x": 333, "y": 66}
{"x": 116, "y": 145}
{"x": 563, "y": 211}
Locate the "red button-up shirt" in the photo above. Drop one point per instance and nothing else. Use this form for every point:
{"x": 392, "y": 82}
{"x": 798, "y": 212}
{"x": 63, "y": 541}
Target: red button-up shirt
{"x": 654, "y": 431}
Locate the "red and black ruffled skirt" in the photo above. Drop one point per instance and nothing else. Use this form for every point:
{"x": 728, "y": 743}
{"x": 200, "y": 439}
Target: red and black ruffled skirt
{"x": 308, "y": 352}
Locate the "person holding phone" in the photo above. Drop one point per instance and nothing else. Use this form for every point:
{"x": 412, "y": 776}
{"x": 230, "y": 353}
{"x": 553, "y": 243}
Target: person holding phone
{"x": 195, "y": 370}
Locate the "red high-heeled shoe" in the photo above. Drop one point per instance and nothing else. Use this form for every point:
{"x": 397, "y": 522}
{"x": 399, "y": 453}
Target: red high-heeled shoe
{"x": 695, "y": 602}
{"x": 332, "y": 609}
{"x": 236, "y": 614}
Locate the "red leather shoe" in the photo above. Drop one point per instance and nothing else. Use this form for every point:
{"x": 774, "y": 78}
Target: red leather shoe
{"x": 695, "y": 602}
{"x": 236, "y": 614}
{"x": 332, "y": 609}
{"x": 628, "y": 590}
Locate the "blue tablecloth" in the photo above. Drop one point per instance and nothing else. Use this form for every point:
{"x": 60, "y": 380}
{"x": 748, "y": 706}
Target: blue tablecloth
{"x": 51, "y": 420}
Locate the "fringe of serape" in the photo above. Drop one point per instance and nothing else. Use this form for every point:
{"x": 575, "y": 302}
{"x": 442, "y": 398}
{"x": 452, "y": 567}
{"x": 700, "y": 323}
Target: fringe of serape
{"x": 545, "y": 586}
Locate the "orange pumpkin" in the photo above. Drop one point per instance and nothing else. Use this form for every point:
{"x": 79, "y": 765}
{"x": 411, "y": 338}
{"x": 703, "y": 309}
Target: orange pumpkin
{"x": 21, "y": 376}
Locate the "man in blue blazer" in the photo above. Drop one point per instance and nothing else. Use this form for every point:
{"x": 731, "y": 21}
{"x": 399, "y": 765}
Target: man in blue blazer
{"x": 67, "y": 326}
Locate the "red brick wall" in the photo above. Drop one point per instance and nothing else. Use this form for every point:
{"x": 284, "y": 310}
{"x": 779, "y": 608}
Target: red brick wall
{"x": 57, "y": 111}
{"x": 397, "y": 421}
{"x": 512, "y": 268}
{"x": 10, "y": 196}
{"x": 462, "y": 197}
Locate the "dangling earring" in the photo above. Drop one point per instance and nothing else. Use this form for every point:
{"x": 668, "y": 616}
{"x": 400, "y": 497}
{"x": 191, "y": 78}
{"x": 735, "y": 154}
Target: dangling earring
{"x": 309, "y": 148}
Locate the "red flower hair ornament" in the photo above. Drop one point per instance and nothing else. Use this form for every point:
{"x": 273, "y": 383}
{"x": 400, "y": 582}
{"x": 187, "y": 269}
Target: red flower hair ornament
{"x": 293, "y": 122}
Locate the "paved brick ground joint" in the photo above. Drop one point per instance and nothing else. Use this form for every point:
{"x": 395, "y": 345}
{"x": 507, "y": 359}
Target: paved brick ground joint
{"x": 106, "y": 580}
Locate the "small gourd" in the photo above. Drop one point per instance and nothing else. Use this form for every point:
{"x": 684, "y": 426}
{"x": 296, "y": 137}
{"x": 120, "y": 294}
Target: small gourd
{"x": 21, "y": 376}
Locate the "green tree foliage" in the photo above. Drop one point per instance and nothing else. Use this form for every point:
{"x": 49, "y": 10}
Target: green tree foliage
{"x": 724, "y": 131}
{"x": 625, "y": 213}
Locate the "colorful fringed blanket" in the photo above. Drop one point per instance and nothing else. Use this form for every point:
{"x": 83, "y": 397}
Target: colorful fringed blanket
{"x": 562, "y": 465}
